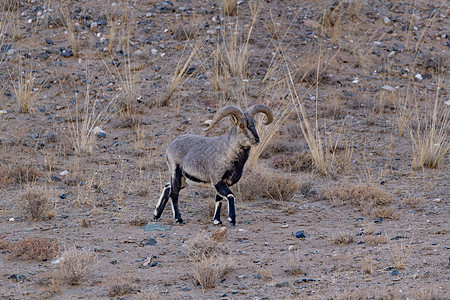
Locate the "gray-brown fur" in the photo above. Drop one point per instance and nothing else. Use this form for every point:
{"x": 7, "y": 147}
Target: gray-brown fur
{"x": 212, "y": 161}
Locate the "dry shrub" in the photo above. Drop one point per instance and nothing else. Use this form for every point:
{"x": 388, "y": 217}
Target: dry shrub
{"x": 429, "y": 293}
{"x": 374, "y": 240}
{"x": 76, "y": 264}
{"x": 229, "y": 6}
{"x": 184, "y": 31}
{"x": 294, "y": 263}
{"x": 298, "y": 162}
{"x": 386, "y": 213}
{"x": 36, "y": 203}
{"x": 400, "y": 252}
{"x": 262, "y": 182}
{"x": 24, "y": 173}
{"x": 121, "y": 288}
{"x": 413, "y": 201}
{"x": 34, "y": 248}
{"x": 367, "y": 265}
{"x": 207, "y": 260}
{"x": 343, "y": 238}
{"x": 359, "y": 195}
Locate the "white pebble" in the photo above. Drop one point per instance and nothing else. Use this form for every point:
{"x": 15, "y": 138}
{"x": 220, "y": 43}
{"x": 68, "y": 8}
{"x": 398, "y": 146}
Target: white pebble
{"x": 11, "y": 219}
{"x": 418, "y": 76}
{"x": 154, "y": 51}
{"x": 63, "y": 173}
{"x": 355, "y": 80}
{"x": 387, "y": 88}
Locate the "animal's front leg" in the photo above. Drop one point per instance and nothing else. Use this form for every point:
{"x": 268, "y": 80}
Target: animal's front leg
{"x": 225, "y": 192}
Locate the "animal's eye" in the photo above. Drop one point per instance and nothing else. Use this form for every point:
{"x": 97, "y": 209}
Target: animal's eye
{"x": 241, "y": 125}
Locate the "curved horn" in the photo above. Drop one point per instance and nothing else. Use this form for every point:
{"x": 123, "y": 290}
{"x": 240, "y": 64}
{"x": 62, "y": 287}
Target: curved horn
{"x": 222, "y": 113}
{"x": 261, "y": 108}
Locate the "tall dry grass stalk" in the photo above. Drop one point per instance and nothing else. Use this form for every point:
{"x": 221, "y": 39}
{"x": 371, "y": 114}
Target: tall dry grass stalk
{"x": 400, "y": 252}
{"x": 73, "y": 35}
{"x": 24, "y": 91}
{"x": 312, "y": 135}
{"x": 179, "y": 76}
{"x": 121, "y": 22}
{"x": 229, "y": 6}
{"x": 126, "y": 100}
{"x": 82, "y": 132}
{"x": 430, "y": 140}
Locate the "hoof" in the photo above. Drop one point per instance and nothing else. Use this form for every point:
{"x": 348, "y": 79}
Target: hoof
{"x": 217, "y": 222}
{"x": 155, "y": 218}
{"x": 233, "y": 224}
{"x": 179, "y": 221}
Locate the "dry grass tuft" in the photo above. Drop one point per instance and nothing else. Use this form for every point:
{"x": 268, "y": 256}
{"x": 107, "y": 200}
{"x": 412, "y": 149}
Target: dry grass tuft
{"x": 36, "y": 203}
{"x": 220, "y": 235}
{"x": 374, "y": 240}
{"x": 24, "y": 91}
{"x": 262, "y": 182}
{"x": 294, "y": 263}
{"x": 298, "y": 162}
{"x": 229, "y": 6}
{"x": 343, "y": 238}
{"x": 359, "y": 195}
{"x": 207, "y": 260}
{"x": 76, "y": 264}
{"x": 34, "y": 248}
{"x": 400, "y": 252}
{"x": 367, "y": 265}
{"x": 24, "y": 173}
{"x": 386, "y": 213}
{"x": 121, "y": 288}
{"x": 430, "y": 142}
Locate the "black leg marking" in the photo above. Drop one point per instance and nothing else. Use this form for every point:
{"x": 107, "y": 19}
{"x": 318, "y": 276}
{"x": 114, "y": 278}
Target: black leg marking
{"x": 225, "y": 192}
{"x": 216, "y": 218}
{"x": 162, "y": 202}
{"x": 175, "y": 184}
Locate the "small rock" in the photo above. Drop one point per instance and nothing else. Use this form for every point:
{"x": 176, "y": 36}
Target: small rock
{"x": 64, "y": 173}
{"x": 386, "y": 20}
{"x": 11, "y": 219}
{"x": 49, "y": 41}
{"x": 379, "y": 220}
{"x": 55, "y": 178}
{"x": 18, "y": 278}
{"x": 153, "y": 264}
{"x": 282, "y": 284}
{"x": 387, "y": 88}
{"x": 300, "y": 234}
{"x": 99, "y": 132}
{"x": 151, "y": 242}
{"x": 63, "y": 196}
{"x": 418, "y": 76}
{"x": 3, "y": 112}
{"x": 138, "y": 52}
{"x": 394, "y": 272}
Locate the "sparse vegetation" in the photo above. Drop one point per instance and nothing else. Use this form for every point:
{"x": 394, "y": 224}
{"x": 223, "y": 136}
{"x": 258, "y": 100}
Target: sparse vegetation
{"x": 36, "y": 203}
{"x": 75, "y": 264}
{"x": 38, "y": 248}
{"x": 91, "y": 93}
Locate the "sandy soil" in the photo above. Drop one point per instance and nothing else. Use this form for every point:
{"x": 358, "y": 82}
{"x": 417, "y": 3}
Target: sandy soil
{"x": 383, "y": 63}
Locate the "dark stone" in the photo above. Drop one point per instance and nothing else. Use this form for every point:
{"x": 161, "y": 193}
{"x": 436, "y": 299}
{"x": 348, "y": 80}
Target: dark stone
{"x": 55, "y": 178}
{"x": 63, "y": 196}
{"x": 379, "y": 220}
{"x": 42, "y": 109}
{"x": 394, "y": 272}
{"x": 185, "y": 289}
{"x": 191, "y": 70}
{"x": 151, "y": 242}
{"x": 49, "y": 41}
{"x": 113, "y": 262}
{"x": 153, "y": 264}
{"x": 5, "y": 48}
{"x": 102, "y": 22}
{"x": 34, "y": 135}
{"x": 63, "y": 216}
{"x": 359, "y": 219}
{"x": 282, "y": 284}
{"x": 101, "y": 134}
{"x": 67, "y": 53}
{"x": 300, "y": 234}
{"x": 18, "y": 278}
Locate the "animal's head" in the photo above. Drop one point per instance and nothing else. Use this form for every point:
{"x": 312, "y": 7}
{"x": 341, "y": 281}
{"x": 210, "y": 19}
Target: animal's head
{"x": 244, "y": 122}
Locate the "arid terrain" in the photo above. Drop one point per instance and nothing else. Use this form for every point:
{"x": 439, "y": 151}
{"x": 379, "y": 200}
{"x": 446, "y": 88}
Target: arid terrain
{"x": 346, "y": 196}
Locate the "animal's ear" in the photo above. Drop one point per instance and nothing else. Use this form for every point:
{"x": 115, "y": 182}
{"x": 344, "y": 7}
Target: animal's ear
{"x": 234, "y": 120}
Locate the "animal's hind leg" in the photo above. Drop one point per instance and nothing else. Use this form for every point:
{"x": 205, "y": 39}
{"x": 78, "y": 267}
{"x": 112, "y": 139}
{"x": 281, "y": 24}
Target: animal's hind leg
{"x": 218, "y": 206}
{"x": 162, "y": 202}
{"x": 175, "y": 187}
